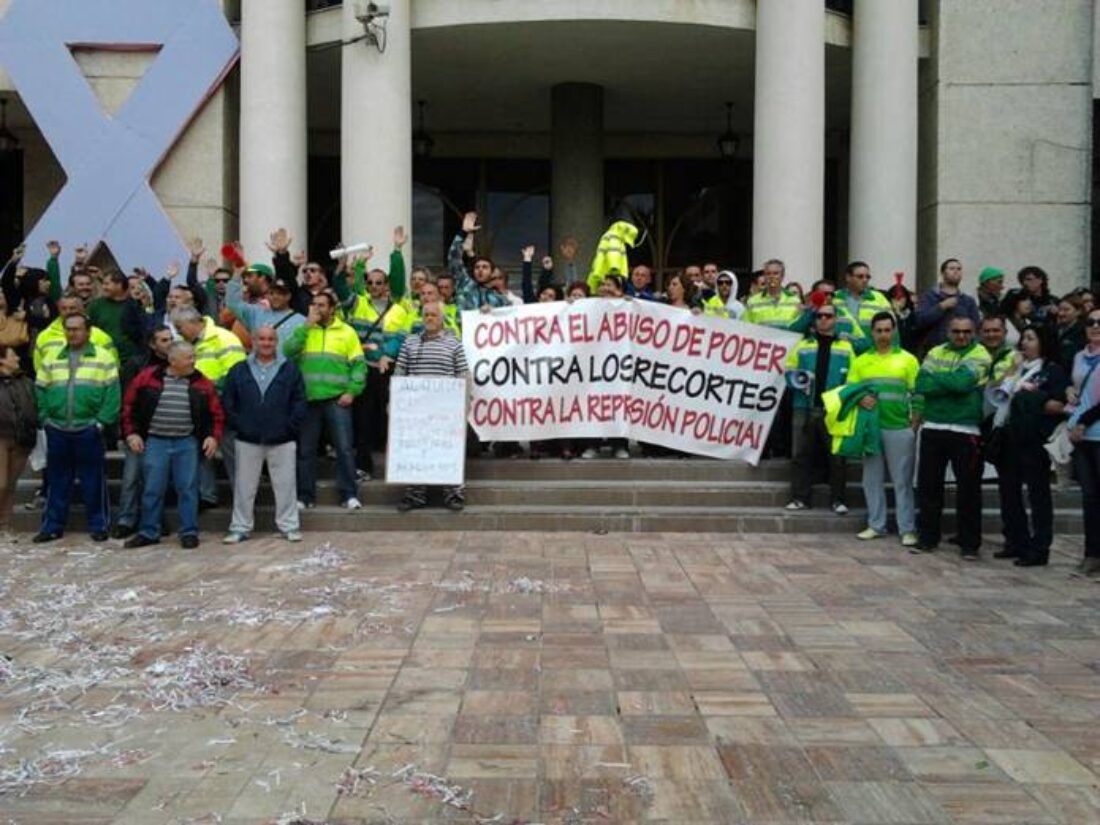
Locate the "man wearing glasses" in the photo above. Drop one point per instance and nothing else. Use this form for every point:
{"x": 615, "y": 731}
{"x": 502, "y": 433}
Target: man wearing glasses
{"x": 724, "y": 302}
{"x": 817, "y": 364}
{"x": 948, "y": 401}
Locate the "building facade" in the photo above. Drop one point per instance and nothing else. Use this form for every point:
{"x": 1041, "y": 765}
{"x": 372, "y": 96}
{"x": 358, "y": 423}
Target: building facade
{"x": 896, "y": 131}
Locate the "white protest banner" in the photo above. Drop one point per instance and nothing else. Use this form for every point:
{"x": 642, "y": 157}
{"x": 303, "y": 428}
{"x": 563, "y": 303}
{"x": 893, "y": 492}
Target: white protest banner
{"x": 427, "y": 436}
{"x": 601, "y": 368}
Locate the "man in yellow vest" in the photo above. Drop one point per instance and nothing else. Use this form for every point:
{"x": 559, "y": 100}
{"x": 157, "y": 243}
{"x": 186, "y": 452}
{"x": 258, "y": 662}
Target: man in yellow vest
{"x": 381, "y": 322}
{"x": 816, "y": 364}
{"x": 330, "y": 356}
{"x": 217, "y": 351}
{"x": 778, "y": 308}
{"x": 892, "y": 374}
{"x": 775, "y": 307}
{"x": 77, "y": 394}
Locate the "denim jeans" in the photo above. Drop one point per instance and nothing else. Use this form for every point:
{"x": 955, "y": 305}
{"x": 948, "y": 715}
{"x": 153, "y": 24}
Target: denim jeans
{"x": 71, "y": 455}
{"x": 337, "y": 421}
{"x": 129, "y": 498}
{"x": 175, "y": 460}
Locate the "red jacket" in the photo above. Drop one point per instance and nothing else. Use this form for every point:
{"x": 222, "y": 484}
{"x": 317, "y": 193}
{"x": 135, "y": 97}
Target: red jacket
{"x": 143, "y": 394}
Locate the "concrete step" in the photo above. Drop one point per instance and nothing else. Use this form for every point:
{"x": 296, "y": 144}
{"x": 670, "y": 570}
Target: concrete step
{"x": 583, "y": 518}
{"x": 603, "y": 469}
{"x": 610, "y": 493}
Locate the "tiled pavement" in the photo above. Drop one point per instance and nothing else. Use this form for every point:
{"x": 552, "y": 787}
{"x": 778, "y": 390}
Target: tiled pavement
{"x": 565, "y": 678}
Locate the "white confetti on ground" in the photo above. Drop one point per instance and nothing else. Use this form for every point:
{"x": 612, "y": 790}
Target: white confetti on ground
{"x": 198, "y": 678}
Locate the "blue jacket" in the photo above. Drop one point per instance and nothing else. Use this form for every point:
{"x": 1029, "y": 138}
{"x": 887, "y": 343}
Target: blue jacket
{"x": 273, "y": 419}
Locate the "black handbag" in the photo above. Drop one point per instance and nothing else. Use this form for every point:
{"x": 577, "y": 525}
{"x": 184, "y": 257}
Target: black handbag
{"x": 994, "y": 444}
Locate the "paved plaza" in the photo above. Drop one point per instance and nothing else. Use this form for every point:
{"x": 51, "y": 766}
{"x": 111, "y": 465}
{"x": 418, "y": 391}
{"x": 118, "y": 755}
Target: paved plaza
{"x": 553, "y": 678}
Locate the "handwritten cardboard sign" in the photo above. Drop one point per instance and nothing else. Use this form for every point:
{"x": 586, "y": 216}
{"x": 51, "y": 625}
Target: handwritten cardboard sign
{"x": 427, "y": 440}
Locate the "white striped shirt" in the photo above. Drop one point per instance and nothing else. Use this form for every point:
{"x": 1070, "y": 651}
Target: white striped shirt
{"x": 440, "y": 355}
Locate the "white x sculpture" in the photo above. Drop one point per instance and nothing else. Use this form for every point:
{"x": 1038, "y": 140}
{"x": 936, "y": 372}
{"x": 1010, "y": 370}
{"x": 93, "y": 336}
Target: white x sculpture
{"x": 109, "y": 160}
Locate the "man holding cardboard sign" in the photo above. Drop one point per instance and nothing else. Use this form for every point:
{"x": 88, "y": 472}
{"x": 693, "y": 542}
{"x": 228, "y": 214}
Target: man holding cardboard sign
{"x": 434, "y": 353}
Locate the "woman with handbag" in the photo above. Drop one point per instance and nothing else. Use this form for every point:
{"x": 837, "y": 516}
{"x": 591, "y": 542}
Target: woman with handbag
{"x": 1084, "y": 431}
{"x": 18, "y": 431}
{"x": 1035, "y": 404}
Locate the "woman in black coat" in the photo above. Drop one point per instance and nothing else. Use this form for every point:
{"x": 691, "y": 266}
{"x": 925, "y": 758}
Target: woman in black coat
{"x": 1036, "y": 400}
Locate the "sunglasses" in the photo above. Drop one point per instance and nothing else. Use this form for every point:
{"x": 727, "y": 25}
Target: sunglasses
{"x": 221, "y": 280}
{"x": 1092, "y": 322}
{"x": 824, "y": 314}
{"x": 727, "y": 283}
{"x": 376, "y": 283}
{"x": 313, "y": 269}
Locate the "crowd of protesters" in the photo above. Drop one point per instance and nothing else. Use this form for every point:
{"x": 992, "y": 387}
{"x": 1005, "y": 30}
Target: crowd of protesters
{"x": 272, "y": 364}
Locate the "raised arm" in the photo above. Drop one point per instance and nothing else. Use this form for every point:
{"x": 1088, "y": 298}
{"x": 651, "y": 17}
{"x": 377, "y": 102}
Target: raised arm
{"x": 454, "y": 255}
{"x": 397, "y": 264}
{"x": 53, "y": 270}
{"x": 529, "y": 294}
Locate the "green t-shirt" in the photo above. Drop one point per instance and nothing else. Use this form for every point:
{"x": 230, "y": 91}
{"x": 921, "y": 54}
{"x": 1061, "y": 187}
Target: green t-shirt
{"x": 108, "y": 316}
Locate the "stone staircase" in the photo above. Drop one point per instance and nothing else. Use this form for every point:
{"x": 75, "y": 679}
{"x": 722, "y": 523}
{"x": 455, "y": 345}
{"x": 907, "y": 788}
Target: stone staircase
{"x": 639, "y": 495}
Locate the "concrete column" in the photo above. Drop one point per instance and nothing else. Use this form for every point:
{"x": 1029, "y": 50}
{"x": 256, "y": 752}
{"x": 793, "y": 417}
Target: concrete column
{"x": 376, "y": 133}
{"x": 273, "y": 152}
{"x": 577, "y": 178}
{"x": 789, "y": 136}
{"x": 883, "y": 193}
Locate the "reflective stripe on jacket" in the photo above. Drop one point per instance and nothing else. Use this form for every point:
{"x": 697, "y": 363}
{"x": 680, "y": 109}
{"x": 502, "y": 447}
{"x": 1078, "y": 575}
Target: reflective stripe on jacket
{"x": 330, "y": 358}
{"x": 891, "y": 377}
{"x": 216, "y": 352}
{"x": 52, "y": 339}
{"x": 75, "y": 399}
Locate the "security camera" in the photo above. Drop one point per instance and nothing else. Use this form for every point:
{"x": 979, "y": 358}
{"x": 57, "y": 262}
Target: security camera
{"x": 373, "y": 18}
{"x": 374, "y": 10}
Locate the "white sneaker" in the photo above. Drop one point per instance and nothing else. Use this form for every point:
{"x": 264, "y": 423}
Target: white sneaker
{"x": 590, "y": 453}
{"x": 840, "y": 509}
{"x": 870, "y": 534}
{"x": 910, "y": 540}
{"x": 795, "y": 504}
{"x": 234, "y": 538}
{"x": 353, "y": 504}
{"x": 292, "y": 535}
{"x": 621, "y": 453}
{"x": 303, "y": 506}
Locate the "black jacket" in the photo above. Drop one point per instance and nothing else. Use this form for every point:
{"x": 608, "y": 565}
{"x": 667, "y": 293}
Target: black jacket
{"x": 273, "y": 419}
{"x": 1028, "y": 424}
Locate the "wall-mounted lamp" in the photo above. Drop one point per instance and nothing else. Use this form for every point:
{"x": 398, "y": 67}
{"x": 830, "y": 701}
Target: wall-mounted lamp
{"x": 422, "y": 141}
{"x": 728, "y": 142}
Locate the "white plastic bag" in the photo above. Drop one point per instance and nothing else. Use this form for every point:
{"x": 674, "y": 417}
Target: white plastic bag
{"x": 37, "y": 458}
{"x": 1059, "y": 446}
